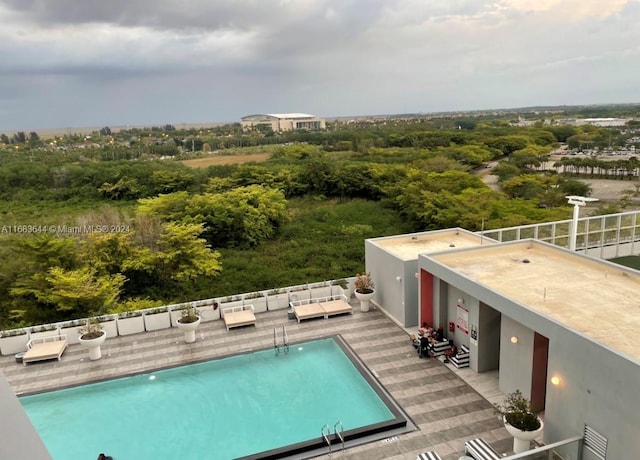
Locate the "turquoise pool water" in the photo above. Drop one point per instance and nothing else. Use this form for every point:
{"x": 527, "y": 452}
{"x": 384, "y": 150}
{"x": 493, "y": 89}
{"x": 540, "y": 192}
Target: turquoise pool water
{"x": 221, "y": 409}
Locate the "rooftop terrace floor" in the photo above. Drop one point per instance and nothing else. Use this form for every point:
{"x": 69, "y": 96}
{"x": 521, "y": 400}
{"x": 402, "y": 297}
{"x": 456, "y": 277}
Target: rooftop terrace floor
{"x": 446, "y": 409}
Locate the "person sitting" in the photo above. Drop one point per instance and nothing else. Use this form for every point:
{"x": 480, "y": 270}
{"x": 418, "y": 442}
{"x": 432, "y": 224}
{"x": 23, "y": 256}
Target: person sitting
{"x": 104, "y": 457}
{"x": 414, "y": 341}
{"x": 439, "y": 335}
{"x": 451, "y": 352}
{"x": 422, "y": 331}
{"x": 423, "y": 348}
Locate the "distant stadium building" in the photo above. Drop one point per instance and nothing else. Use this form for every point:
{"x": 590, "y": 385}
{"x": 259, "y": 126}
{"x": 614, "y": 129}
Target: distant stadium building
{"x": 284, "y": 121}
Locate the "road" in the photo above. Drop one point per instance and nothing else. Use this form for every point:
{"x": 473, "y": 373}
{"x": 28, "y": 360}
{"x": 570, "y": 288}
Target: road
{"x": 603, "y": 189}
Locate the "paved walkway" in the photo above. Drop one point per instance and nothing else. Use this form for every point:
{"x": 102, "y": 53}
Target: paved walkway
{"x": 446, "y": 409}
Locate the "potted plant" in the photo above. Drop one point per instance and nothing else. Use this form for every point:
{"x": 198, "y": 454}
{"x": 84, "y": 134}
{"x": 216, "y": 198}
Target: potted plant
{"x": 521, "y": 420}
{"x": 364, "y": 289}
{"x": 91, "y": 337}
{"x": 188, "y": 322}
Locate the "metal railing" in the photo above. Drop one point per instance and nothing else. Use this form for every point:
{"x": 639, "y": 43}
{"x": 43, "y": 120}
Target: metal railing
{"x": 606, "y": 236}
{"x": 567, "y": 448}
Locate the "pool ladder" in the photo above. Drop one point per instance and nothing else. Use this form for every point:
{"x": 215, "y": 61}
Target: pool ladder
{"x": 338, "y": 433}
{"x": 285, "y": 341}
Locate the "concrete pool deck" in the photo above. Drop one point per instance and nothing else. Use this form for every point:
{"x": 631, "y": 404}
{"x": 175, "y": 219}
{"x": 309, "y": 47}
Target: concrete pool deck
{"x": 447, "y": 410}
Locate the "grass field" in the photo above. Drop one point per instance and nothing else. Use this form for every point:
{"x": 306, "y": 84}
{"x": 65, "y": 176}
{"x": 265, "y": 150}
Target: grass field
{"x": 215, "y": 160}
{"x": 628, "y": 261}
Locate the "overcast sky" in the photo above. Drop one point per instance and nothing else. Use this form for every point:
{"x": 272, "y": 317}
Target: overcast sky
{"x": 79, "y": 63}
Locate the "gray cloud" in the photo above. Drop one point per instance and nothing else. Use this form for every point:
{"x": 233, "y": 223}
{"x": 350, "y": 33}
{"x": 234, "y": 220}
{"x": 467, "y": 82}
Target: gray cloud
{"x": 143, "y": 62}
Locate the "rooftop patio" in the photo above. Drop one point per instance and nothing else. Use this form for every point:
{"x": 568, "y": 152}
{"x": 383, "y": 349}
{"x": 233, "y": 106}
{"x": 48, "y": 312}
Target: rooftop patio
{"x": 447, "y": 410}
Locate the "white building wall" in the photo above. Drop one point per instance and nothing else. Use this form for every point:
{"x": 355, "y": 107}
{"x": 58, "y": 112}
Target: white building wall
{"x": 516, "y": 360}
{"x": 19, "y": 438}
{"x": 396, "y": 285}
{"x": 598, "y": 387}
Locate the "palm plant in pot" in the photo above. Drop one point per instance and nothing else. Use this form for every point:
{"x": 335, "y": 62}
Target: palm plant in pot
{"x": 92, "y": 337}
{"x": 188, "y": 322}
{"x": 364, "y": 289}
{"x": 521, "y": 420}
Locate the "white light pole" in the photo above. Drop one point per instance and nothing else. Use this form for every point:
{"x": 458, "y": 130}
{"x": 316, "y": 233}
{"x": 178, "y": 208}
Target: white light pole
{"x": 576, "y": 201}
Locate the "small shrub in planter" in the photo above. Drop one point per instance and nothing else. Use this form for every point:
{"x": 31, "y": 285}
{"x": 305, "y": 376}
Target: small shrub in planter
{"x": 519, "y": 413}
{"x": 189, "y": 315}
{"x": 91, "y": 330}
{"x": 363, "y": 283}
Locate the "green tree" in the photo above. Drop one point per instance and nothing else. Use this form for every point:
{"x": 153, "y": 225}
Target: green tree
{"x": 183, "y": 255}
{"x": 471, "y": 155}
{"x": 532, "y": 156}
{"x": 243, "y": 216}
{"x": 123, "y": 189}
{"x": 529, "y": 186}
{"x": 165, "y": 268}
{"x": 168, "y": 207}
{"x": 74, "y": 293}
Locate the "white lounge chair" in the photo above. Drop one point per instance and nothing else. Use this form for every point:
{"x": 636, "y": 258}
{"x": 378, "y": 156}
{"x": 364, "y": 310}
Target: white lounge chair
{"x": 242, "y": 315}
{"x": 308, "y": 311}
{"x": 44, "y": 348}
{"x": 480, "y": 450}
{"x": 428, "y": 456}
{"x": 336, "y": 307}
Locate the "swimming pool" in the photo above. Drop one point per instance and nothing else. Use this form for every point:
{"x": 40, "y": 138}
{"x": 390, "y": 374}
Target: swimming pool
{"x": 255, "y": 405}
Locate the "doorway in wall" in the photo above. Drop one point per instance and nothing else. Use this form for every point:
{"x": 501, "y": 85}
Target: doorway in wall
{"x": 539, "y": 371}
{"x": 426, "y": 297}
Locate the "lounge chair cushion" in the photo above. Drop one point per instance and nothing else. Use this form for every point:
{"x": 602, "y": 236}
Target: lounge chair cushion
{"x": 481, "y": 450}
{"x": 307, "y": 311}
{"x": 336, "y": 307}
{"x": 237, "y": 317}
{"x": 45, "y": 348}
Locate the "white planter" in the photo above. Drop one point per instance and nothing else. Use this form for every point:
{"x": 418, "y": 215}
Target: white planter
{"x": 13, "y": 344}
{"x": 364, "y": 300}
{"x": 110, "y": 327}
{"x": 157, "y": 321}
{"x": 278, "y": 301}
{"x": 130, "y": 325}
{"x": 522, "y": 439}
{"x": 93, "y": 345}
{"x": 319, "y": 292}
{"x": 189, "y": 330}
{"x": 175, "y": 316}
{"x": 207, "y": 313}
{"x": 73, "y": 336}
{"x": 295, "y": 296}
{"x": 232, "y": 303}
{"x": 259, "y": 304}
{"x": 339, "y": 290}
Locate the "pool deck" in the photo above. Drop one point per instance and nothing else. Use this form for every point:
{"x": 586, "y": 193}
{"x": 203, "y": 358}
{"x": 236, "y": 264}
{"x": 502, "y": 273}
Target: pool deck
{"x": 449, "y": 406}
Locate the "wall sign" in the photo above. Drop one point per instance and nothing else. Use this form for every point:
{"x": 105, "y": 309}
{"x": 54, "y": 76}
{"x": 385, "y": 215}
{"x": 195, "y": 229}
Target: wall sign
{"x": 462, "y": 319}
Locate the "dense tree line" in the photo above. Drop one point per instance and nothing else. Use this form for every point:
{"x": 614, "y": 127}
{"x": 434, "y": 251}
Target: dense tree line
{"x": 180, "y": 221}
